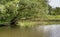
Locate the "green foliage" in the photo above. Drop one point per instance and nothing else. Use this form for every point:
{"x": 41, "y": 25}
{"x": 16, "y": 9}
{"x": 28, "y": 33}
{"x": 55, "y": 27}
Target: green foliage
{"x": 4, "y": 1}
{"x": 32, "y": 7}
{"x": 23, "y": 8}
{"x": 2, "y": 13}
{"x": 55, "y": 11}
{"x": 27, "y": 8}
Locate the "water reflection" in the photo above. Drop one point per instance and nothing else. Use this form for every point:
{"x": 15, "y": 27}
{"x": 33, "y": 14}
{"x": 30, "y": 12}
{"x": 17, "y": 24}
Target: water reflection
{"x": 19, "y": 32}
{"x": 52, "y": 31}
{"x": 38, "y": 31}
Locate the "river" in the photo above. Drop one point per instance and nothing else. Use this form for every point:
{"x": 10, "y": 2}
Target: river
{"x": 38, "y": 31}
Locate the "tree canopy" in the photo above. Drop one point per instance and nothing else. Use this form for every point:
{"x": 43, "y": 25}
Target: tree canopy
{"x": 21, "y": 9}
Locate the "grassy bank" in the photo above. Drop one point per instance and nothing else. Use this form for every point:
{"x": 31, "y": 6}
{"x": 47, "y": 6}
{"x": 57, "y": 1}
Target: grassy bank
{"x": 35, "y": 23}
{"x": 54, "y": 17}
{"x": 51, "y": 19}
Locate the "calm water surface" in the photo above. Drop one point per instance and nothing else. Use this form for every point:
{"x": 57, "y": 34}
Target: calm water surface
{"x": 38, "y": 31}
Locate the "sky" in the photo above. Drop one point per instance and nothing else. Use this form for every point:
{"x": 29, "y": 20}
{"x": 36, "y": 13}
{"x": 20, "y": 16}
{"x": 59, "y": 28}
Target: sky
{"x": 54, "y": 3}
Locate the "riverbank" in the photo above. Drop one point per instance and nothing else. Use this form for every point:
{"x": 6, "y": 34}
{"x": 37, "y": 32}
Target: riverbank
{"x": 35, "y": 23}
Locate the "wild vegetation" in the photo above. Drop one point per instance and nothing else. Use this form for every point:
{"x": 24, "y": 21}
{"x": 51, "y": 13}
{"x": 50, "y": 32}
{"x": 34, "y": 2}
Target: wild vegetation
{"x": 17, "y": 12}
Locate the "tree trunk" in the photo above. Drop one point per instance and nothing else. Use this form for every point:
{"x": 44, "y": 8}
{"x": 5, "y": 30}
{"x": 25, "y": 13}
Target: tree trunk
{"x": 13, "y": 21}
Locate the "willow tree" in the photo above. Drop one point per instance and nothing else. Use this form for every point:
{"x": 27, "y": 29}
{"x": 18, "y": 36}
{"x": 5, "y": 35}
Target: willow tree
{"x": 17, "y": 9}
